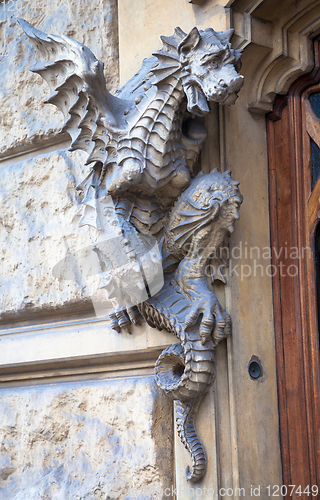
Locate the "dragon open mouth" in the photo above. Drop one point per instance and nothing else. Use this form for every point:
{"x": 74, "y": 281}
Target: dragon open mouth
{"x": 197, "y": 101}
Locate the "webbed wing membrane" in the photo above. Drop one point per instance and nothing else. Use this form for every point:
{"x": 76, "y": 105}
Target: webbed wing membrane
{"x": 78, "y": 89}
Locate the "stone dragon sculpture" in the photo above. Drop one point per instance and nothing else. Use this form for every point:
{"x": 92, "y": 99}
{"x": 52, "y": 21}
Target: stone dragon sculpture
{"x": 142, "y": 188}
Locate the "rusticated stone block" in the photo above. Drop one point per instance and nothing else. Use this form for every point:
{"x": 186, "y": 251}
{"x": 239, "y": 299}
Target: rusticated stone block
{"x": 86, "y": 441}
{"x": 38, "y": 226}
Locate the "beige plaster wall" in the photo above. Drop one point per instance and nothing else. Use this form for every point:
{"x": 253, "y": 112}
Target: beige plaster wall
{"x": 250, "y": 295}
{"x": 142, "y": 22}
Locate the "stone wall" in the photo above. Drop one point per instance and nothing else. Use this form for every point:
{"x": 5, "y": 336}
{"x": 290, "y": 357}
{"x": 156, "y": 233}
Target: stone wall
{"x": 38, "y": 210}
{"x": 80, "y": 441}
{"x": 37, "y": 188}
{"x": 87, "y": 434}
{"x": 24, "y": 121}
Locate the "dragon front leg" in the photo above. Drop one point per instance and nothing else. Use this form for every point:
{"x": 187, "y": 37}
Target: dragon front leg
{"x": 204, "y": 305}
{"x": 190, "y": 277}
{"x": 198, "y": 225}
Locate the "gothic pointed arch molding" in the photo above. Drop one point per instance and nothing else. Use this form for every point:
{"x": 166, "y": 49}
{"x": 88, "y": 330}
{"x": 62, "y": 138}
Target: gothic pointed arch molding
{"x": 277, "y": 38}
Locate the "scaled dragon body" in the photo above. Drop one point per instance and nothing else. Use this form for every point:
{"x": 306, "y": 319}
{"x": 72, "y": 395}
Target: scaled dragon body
{"x": 142, "y": 192}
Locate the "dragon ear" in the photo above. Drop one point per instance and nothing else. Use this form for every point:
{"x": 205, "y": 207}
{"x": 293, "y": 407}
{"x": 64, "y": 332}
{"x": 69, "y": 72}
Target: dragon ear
{"x": 227, "y": 35}
{"x": 190, "y": 42}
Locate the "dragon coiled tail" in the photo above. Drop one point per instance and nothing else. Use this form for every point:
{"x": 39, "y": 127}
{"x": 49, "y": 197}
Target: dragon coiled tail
{"x": 186, "y": 430}
{"x": 185, "y": 372}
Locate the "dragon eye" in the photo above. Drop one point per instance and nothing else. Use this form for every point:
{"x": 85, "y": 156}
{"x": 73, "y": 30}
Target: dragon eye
{"x": 210, "y": 60}
{"x": 213, "y": 62}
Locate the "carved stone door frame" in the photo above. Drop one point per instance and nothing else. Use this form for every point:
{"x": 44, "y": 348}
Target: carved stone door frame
{"x": 294, "y": 214}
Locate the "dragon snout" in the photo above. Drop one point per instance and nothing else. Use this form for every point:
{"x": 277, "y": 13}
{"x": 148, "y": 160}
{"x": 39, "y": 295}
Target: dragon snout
{"x": 219, "y": 91}
{"x": 223, "y": 84}
{"x": 236, "y": 83}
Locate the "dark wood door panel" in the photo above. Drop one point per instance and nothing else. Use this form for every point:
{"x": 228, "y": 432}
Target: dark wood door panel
{"x": 294, "y": 213}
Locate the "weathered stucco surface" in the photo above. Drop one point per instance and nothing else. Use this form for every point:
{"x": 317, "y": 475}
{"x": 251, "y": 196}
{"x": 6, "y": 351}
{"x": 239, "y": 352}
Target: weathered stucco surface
{"x": 251, "y": 299}
{"x": 81, "y": 441}
{"x": 24, "y": 119}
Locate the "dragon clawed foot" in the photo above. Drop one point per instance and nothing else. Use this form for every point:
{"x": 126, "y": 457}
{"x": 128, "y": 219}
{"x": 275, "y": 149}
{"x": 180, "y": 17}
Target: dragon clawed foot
{"x": 122, "y": 319}
{"x": 213, "y": 319}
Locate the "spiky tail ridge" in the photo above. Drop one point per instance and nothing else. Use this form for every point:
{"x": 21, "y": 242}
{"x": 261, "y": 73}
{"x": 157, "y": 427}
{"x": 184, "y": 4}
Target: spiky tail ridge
{"x": 185, "y": 416}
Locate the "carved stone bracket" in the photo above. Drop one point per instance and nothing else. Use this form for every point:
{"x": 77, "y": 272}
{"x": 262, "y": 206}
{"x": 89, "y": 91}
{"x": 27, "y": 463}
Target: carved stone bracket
{"x": 277, "y": 38}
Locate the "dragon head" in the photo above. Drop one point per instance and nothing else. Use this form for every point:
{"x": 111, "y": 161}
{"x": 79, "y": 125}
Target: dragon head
{"x": 208, "y": 67}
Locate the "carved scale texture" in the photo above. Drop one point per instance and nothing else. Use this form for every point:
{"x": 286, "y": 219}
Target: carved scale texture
{"x": 82, "y": 117}
{"x": 112, "y": 131}
{"x": 198, "y": 358}
{"x": 186, "y": 430}
{"x": 155, "y": 140}
{"x": 144, "y": 214}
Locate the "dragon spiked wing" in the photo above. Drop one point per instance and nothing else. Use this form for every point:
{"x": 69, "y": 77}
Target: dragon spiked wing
{"x": 78, "y": 89}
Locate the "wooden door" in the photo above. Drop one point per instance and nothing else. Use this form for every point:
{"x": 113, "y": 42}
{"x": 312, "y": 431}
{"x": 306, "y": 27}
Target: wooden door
{"x": 294, "y": 188}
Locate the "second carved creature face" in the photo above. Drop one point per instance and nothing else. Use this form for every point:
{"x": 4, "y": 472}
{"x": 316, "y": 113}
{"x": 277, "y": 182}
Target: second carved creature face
{"x": 209, "y": 69}
{"x": 220, "y": 194}
{"x": 230, "y": 213}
